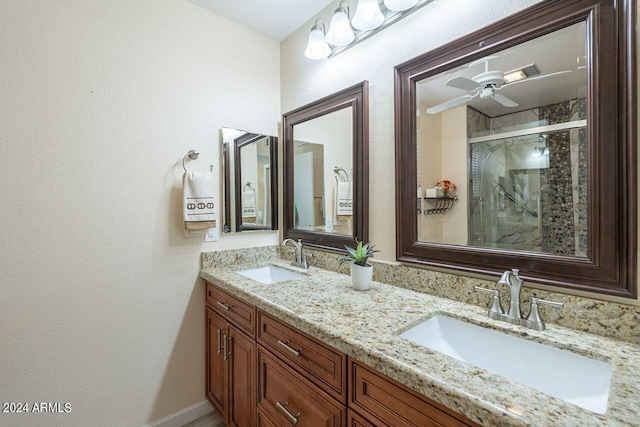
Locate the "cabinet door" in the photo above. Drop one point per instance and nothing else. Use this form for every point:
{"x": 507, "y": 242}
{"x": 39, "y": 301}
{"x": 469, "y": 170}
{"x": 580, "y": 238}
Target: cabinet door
{"x": 217, "y": 374}
{"x": 242, "y": 363}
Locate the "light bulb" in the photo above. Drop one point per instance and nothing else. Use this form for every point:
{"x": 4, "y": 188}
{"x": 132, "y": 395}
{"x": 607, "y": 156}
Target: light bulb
{"x": 536, "y": 153}
{"x": 340, "y": 32}
{"x": 317, "y": 47}
{"x": 399, "y": 5}
{"x": 368, "y": 15}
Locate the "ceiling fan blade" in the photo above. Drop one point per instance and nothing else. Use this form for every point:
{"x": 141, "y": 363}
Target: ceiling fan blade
{"x": 530, "y": 79}
{"x": 504, "y": 100}
{"x": 450, "y": 104}
{"x": 463, "y": 83}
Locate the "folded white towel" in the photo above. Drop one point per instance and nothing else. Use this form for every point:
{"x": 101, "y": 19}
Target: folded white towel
{"x": 249, "y": 203}
{"x": 199, "y": 203}
{"x": 344, "y": 201}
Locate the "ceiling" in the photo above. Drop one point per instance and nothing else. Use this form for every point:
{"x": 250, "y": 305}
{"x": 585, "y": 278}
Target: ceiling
{"x": 554, "y": 52}
{"x": 276, "y": 19}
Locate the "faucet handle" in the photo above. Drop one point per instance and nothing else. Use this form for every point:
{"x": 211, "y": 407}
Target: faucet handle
{"x": 305, "y": 259}
{"x": 495, "y": 311}
{"x": 534, "y": 320}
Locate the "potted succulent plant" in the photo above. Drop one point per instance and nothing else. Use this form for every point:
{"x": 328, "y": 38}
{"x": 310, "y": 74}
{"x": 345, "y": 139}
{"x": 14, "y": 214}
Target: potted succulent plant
{"x": 361, "y": 270}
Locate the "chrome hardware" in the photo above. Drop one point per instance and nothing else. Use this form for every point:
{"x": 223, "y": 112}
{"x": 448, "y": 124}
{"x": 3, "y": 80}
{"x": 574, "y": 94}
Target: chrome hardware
{"x": 224, "y": 347}
{"x": 496, "y": 308}
{"x": 301, "y": 259}
{"x": 292, "y": 418}
{"x": 512, "y": 280}
{"x": 223, "y": 305}
{"x": 219, "y": 332}
{"x": 533, "y": 320}
{"x": 228, "y": 347}
{"x": 286, "y": 345}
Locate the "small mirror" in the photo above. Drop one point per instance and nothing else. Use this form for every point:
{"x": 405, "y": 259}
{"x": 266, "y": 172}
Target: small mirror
{"x": 249, "y": 177}
{"x": 326, "y": 170}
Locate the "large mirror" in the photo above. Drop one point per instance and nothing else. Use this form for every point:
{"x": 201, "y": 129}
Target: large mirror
{"x": 249, "y": 177}
{"x": 326, "y": 170}
{"x": 521, "y": 145}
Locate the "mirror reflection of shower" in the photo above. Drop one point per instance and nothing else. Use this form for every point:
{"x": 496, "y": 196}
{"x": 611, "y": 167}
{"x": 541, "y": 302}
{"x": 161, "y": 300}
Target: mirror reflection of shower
{"x": 527, "y": 189}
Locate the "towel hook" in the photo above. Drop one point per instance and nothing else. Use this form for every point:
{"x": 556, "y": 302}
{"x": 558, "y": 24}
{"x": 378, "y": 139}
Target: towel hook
{"x": 192, "y": 154}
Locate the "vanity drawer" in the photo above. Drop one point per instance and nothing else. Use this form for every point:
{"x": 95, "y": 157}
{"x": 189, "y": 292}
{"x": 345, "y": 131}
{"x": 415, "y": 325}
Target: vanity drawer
{"x": 395, "y": 404}
{"x": 290, "y": 399}
{"x": 321, "y": 364}
{"x": 238, "y": 312}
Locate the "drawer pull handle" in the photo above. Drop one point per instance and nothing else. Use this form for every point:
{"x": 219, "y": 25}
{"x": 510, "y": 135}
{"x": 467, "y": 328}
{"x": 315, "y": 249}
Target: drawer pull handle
{"x": 223, "y": 305}
{"x": 292, "y": 418}
{"x": 224, "y": 347}
{"x": 219, "y": 332}
{"x": 294, "y": 352}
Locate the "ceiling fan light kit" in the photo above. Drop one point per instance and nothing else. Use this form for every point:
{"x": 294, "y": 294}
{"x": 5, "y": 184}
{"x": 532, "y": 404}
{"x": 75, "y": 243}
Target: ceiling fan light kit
{"x": 370, "y": 17}
{"x": 487, "y": 84}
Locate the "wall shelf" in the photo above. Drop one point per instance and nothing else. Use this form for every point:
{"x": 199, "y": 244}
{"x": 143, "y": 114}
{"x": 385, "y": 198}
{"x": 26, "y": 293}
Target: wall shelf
{"x": 442, "y": 204}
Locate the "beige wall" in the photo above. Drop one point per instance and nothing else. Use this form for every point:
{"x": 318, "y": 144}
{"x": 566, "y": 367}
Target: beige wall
{"x": 303, "y": 80}
{"x": 374, "y": 59}
{"x": 100, "y": 304}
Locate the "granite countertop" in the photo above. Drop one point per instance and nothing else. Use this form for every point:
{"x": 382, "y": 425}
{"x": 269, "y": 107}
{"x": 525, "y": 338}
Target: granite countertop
{"x": 366, "y": 326}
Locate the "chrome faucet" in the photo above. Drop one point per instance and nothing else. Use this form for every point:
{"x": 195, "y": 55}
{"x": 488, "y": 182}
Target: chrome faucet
{"x": 512, "y": 280}
{"x": 300, "y": 259}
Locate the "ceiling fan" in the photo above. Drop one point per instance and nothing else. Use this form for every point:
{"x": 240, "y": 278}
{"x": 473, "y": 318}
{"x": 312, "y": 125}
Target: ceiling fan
{"x": 485, "y": 85}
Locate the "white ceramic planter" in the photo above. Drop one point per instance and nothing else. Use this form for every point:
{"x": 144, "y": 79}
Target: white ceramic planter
{"x": 361, "y": 277}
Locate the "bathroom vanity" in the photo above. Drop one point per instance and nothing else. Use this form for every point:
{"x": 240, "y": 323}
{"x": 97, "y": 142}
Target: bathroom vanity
{"x": 298, "y": 379}
{"x": 312, "y": 351}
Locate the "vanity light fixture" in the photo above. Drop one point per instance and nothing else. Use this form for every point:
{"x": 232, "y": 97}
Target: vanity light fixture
{"x": 399, "y": 5}
{"x": 370, "y": 17}
{"x": 317, "y": 47}
{"x": 340, "y": 32}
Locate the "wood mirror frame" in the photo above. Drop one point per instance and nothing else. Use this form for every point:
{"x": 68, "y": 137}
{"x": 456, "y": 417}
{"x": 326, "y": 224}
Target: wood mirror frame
{"x": 357, "y": 97}
{"x": 610, "y": 264}
{"x": 243, "y": 141}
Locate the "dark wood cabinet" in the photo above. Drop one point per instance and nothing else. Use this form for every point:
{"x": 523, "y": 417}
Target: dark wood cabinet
{"x": 264, "y": 372}
{"x": 217, "y": 377}
{"x": 319, "y": 363}
{"x": 291, "y": 399}
{"x": 242, "y": 378}
{"x": 231, "y": 360}
{"x": 379, "y": 397}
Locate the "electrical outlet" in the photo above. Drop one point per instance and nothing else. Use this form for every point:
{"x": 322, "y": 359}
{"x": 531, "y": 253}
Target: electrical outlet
{"x": 212, "y": 235}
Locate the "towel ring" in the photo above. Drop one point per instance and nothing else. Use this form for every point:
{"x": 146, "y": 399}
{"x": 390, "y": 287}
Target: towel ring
{"x": 192, "y": 154}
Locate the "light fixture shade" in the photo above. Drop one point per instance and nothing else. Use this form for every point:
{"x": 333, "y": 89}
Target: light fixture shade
{"x": 340, "y": 32}
{"x": 399, "y": 5}
{"x": 317, "y": 47}
{"x": 368, "y": 15}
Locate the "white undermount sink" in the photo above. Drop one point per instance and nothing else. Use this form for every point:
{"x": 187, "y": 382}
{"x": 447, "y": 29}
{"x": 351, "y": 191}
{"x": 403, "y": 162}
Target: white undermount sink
{"x": 571, "y": 377}
{"x": 270, "y": 274}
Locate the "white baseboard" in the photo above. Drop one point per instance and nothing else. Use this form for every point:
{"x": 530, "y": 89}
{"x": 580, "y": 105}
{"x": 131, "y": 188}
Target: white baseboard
{"x": 184, "y": 416}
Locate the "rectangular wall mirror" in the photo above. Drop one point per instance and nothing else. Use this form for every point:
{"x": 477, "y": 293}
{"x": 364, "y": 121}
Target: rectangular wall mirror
{"x": 520, "y": 140}
{"x": 326, "y": 170}
{"x": 249, "y": 177}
